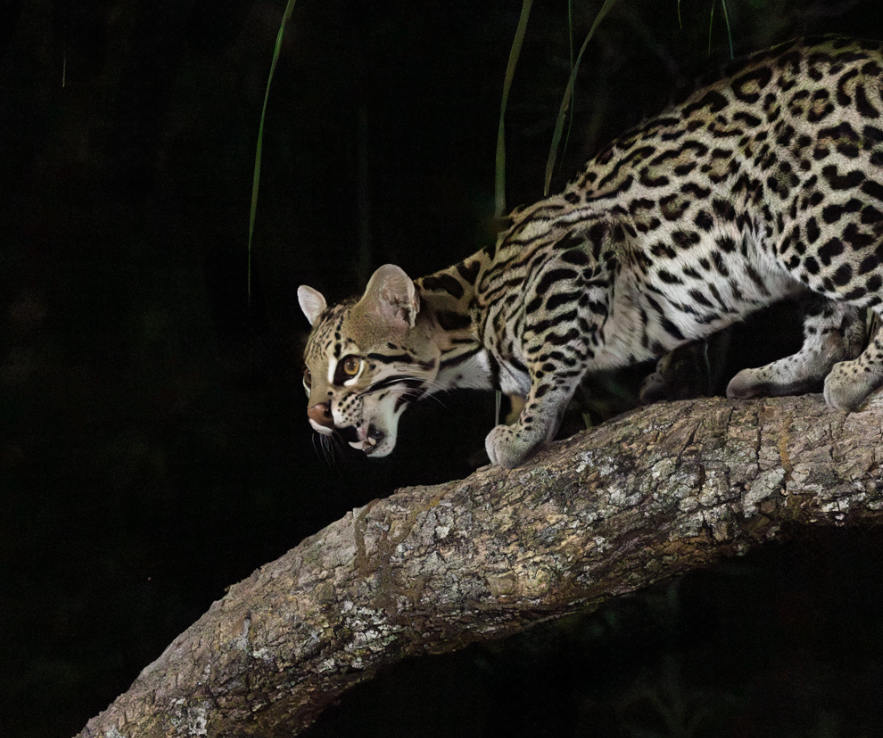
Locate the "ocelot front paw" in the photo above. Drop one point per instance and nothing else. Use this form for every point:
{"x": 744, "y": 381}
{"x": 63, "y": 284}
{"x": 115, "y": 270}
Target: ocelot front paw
{"x": 507, "y": 447}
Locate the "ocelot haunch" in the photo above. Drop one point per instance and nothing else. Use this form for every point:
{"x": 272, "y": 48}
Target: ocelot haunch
{"x": 764, "y": 183}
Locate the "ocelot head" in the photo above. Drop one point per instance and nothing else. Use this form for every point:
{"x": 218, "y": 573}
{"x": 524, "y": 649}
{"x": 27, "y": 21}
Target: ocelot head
{"x": 366, "y": 360}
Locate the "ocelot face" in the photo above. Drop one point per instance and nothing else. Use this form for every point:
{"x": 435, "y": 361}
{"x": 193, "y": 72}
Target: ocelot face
{"x": 365, "y": 362}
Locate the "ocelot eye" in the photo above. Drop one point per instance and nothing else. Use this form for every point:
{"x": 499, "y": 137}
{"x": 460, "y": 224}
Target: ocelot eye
{"x": 347, "y": 368}
{"x": 308, "y": 380}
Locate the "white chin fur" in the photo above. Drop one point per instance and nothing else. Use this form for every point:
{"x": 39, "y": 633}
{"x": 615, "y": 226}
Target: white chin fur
{"x": 324, "y": 430}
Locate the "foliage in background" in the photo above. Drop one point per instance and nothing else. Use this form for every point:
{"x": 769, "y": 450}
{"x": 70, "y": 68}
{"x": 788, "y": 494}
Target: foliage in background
{"x": 568, "y": 94}
{"x": 500, "y": 158}
{"x": 565, "y": 106}
{"x": 711, "y": 24}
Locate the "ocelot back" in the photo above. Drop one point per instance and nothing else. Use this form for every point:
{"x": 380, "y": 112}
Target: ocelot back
{"x": 765, "y": 183}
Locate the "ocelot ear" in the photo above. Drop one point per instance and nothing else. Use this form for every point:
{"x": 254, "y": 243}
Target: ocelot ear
{"x": 391, "y": 294}
{"x": 311, "y": 302}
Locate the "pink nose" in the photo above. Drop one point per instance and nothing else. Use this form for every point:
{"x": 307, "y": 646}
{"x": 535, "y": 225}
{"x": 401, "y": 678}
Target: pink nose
{"x": 321, "y": 414}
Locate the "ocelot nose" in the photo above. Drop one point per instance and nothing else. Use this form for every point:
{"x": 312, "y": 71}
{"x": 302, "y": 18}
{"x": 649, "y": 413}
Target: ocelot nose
{"x": 321, "y": 414}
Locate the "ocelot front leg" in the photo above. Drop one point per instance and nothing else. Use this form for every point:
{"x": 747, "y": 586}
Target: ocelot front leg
{"x": 563, "y": 308}
{"x": 832, "y": 332}
{"x": 511, "y": 445}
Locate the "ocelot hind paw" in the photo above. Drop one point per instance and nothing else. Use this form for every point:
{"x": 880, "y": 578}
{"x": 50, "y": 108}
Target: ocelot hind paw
{"x": 849, "y": 384}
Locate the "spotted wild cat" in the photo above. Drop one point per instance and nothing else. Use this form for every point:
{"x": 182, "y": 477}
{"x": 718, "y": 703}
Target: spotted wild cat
{"x": 765, "y": 183}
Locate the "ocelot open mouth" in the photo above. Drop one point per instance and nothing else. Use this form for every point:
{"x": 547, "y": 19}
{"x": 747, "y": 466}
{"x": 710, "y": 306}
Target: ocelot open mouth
{"x": 361, "y": 440}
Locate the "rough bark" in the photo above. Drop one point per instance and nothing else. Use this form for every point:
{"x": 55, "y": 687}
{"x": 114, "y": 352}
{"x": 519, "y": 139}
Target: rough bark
{"x": 430, "y": 569}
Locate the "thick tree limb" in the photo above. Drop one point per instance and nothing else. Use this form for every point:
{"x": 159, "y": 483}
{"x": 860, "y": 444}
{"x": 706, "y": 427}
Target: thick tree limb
{"x": 430, "y": 569}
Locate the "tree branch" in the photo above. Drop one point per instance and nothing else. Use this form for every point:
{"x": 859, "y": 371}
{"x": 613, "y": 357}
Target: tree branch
{"x": 652, "y": 495}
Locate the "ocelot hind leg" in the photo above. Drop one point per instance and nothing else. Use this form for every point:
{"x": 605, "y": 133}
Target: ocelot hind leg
{"x": 832, "y": 332}
{"x": 850, "y": 382}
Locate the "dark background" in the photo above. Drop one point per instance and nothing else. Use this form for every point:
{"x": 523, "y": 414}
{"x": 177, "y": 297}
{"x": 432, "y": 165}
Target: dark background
{"x": 153, "y": 444}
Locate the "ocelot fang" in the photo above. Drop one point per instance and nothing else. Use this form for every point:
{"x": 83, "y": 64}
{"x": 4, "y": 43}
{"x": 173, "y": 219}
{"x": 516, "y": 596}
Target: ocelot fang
{"x": 765, "y": 182}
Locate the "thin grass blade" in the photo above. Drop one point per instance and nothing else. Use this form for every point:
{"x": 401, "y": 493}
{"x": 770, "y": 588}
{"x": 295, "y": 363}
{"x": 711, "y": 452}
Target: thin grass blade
{"x": 500, "y": 164}
{"x": 514, "y": 53}
{"x": 729, "y": 30}
{"x": 711, "y": 24}
{"x": 573, "y": 93}
{"x": 256, "y": 179}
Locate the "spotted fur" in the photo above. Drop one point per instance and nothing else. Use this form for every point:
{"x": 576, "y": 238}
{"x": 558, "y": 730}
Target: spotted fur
{"x": 765, "y": 183}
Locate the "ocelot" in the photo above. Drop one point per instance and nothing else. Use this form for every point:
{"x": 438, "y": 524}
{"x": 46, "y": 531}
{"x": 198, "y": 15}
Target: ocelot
{"x": 763, "y": 183}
